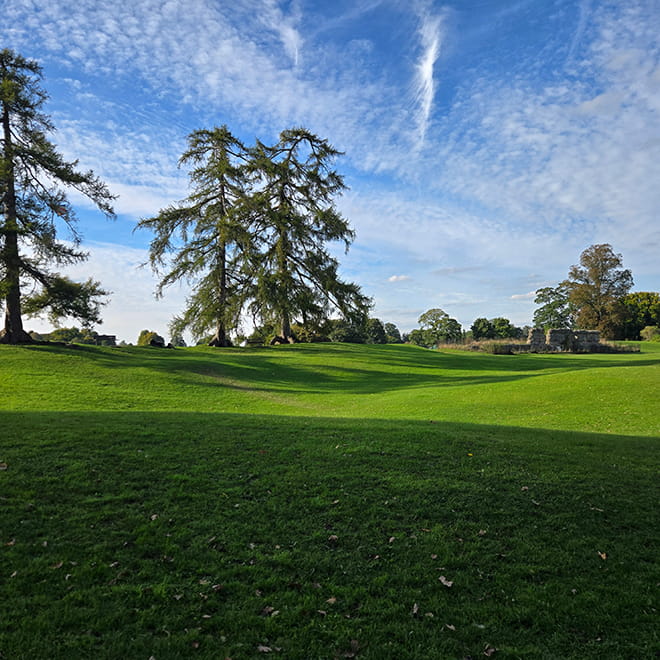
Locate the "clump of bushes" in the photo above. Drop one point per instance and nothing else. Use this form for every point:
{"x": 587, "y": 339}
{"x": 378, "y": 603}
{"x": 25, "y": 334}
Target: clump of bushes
{"x": 650, "y": 333}
{"x": 150, "y": 338}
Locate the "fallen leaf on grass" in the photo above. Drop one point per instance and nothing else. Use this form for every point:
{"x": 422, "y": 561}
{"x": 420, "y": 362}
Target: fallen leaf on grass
{"x": 332, "y": 600}
{"x": 58, "y": 565}
{"x": 434, "y": 557}
{"x": 450, "y": 627}
{"x": 269, "y": 611}
{"x": 178, "y": 596}
{"x": 415, "y": 609}
{"x": 3, "y": 466}
{"x": 489, "y": 650}
{"x": 525, "y": 488}
{"x": 602, "y": 555}
{"x": 12, "y": 542}
{"x": 333, "y": 538}
{"x": 391, "y": 539}
{"x": 445, "y": 581}
{"x": 482, "y": 532}
{"x": 153, "y": 516}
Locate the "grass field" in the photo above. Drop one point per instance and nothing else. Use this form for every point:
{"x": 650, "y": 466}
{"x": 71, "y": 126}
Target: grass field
{"x": 328, "y": 501}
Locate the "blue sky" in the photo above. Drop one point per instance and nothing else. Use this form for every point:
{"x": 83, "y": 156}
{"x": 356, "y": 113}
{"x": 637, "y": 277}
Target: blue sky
{"x": 487, "y": 142}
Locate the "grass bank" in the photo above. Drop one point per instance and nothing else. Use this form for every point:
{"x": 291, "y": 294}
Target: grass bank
{"x": 327, "y": 501}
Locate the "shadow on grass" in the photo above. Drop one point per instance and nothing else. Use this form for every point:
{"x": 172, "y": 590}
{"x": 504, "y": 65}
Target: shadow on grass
{"x": 168, "y": 530}
{"x": 350, "y": 368}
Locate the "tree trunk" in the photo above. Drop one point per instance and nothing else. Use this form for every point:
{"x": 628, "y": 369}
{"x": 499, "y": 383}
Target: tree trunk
{"x": 13, "y": 332}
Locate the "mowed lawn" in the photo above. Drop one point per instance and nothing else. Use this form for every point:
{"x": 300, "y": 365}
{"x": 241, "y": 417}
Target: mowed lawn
{"x": 328, "y": 501}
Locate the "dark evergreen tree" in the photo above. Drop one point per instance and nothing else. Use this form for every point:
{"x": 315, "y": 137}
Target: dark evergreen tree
{"x": 205, "y": 239}
{"x": 34, "y": 207}
{"x": 295, "y": 277}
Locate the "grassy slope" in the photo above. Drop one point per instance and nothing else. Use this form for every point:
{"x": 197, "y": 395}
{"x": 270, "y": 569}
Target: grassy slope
{"x": 138, "y": 479}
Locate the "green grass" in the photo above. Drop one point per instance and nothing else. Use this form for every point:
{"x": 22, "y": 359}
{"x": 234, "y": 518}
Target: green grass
{"x": 307, "y": 499}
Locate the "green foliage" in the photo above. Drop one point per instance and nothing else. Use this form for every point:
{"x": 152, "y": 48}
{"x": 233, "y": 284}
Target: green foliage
{"x": 34, "y": 179}
{"x": 641, "y": 309}
{"x": 556, "y": 309}
{"x": 393, "y": 334}
{"x": 294, "y": 276}
{"x": 342, "y": 331}
{"x": 63, "y": 298}
{"x": 375, "y": 332}
{"x": 205, "y": 239}
{"x": 438, "y": 328}
{"x": 597, "y": 287}
{"x": 150, "y": 338}
{"x": 650, "y": 333}
{"x": 482, "y": 328}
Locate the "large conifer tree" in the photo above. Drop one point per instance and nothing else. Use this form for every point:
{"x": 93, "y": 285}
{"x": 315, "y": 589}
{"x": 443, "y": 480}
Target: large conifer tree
{"x": 295, "y": 277}
{"x": 34, "y": 206}
{"x": 204, "y": 239}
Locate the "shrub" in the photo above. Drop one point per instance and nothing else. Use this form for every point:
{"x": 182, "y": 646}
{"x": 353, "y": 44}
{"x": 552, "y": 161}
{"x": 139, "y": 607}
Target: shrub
{"x": 150, "y": 338}
{"x": 650, "y": 333}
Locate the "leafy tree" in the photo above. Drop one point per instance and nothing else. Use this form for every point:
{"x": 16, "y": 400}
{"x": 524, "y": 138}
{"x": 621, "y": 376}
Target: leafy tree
{"x": 438, "y": 327}
{"x": 294, "y": 275}
{"x": 392, "y": 333}
{"x": 34, "y": 207}
{"x": 556, "y": 310}
{"x": 205, "y": 239}
{"x": 375, "y": 332}
{"x": 641, "y": 309}
{"x": 597, "y": 287}
{"x": 150, "y": 338}
{"x": 341, "y": 330}
{"x": 417, "y": 337}
{"x": 482, "y": 328}
{"x": 503, "y": 328}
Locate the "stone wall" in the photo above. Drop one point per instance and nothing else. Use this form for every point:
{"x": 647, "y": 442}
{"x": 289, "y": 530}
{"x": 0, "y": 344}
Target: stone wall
{"x": 562, "y": 339}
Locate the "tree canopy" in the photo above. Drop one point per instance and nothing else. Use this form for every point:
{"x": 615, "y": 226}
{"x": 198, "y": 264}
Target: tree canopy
{"x": 34, "y": 208}
{"x": 294, "y": 275}
{"x": 596, "y": 288}
{"x": 205, "y": 239}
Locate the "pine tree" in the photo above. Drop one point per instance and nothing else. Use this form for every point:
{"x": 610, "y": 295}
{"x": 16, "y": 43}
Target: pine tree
{"x": 204, "y": 239}
{"x": 34, "y": 207}
{"x": 295, "y": 277}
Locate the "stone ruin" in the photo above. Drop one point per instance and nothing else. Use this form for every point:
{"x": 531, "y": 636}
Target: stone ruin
{"x": 562, "y": 339}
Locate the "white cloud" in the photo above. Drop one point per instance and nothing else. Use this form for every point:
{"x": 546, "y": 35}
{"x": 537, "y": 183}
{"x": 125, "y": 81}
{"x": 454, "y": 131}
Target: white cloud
{"x": 399, "y": 278}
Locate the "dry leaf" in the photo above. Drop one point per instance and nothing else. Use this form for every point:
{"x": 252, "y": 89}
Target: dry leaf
{"x": 489, "y": 650}
{"x": 525, "y": 488}
{"x": 450, "y": 627}
{"x": 267, "y": 611}
{"x": 445, "y": 581}
{"x": 12, "y": 542}
{"x": 536, "y": 503}
{"x": 195, "y": 645}
{"x": 264, "y": 649}
{"x": 482, "y": 532}
{"x": 434, "y": 557}
{"x": 153, "y": 516}
{"x": 415, "y": 609}
{"x": 392, "y": 539}
{"x": 322, "y": 612}
{"x": 333, "y": 538}
{"x": 178, "y": 596}
{"x": 3, "y": 466}
{"x": 58, "y": 565}
{"x": 332, "y": 600}
{"x": 217, "y": 587}
{"x": 602, "y": 555}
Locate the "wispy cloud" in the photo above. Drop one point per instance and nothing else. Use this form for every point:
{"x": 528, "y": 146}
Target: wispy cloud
{"x": 399, "y": 278}
{"x": 430, "y": 36}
